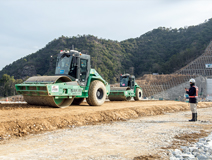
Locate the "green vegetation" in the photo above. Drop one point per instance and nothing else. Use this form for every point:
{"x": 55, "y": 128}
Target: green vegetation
{"x": 7, "y": 85}
{"x": 166, "y": 50}
{"x": 162, "y": 50}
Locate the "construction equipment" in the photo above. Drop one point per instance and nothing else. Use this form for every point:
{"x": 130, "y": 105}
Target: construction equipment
{"x": 128, "y": 89}
{"x": 73, "y": 81}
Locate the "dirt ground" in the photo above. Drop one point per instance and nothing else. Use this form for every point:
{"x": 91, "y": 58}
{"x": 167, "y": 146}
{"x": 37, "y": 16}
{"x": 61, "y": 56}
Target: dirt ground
{"x": 22, "y": 123}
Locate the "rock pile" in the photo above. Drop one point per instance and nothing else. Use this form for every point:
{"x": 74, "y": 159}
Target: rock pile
{"x": 199, "y": 150}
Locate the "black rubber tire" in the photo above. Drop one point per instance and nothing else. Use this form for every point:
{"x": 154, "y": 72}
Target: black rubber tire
{"x": 138, "y": 94}
{"x": 87, "y": 100}
{"x": 77, "y": 101}
{"x": 96, "y": 94}
{"x": 128, "y": 98}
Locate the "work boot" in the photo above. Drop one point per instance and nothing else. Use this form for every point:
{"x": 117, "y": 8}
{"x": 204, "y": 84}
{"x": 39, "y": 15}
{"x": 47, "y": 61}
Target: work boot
{"x": 193, "y": 118}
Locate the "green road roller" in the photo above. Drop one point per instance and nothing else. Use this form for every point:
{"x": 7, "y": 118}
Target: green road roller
{"x": 74, "y": 80}
{"x": 128, "y": 89}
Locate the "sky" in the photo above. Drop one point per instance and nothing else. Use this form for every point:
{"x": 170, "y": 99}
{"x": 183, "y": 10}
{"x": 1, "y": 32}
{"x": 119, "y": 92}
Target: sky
{"x": 28, "y": 25}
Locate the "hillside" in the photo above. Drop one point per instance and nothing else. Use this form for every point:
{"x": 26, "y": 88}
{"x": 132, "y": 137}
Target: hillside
{"x": 107, "y": 57}
{"x": 162, "y": 50}
{"x": 165, "y": 50}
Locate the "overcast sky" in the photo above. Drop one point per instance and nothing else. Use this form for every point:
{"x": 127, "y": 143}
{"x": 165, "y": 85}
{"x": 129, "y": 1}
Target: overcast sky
{"x": 28, "y": 25}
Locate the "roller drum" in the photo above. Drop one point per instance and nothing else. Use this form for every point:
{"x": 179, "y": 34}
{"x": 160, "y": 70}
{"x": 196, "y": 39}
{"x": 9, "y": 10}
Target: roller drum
{"x": 50, "y": 101}
{"x": 117, "y": 98}
{"x": 47, "y": 79}
{"x": 119, "y": 88}
{"x": 117, "y": 94}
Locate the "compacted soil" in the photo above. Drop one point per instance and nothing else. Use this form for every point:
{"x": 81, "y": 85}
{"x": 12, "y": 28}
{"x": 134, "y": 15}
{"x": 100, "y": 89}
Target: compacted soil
{"x": 115, "y": 130}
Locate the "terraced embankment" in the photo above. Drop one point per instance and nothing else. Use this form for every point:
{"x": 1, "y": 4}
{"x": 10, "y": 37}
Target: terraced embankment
{"x": 21, "y": 120}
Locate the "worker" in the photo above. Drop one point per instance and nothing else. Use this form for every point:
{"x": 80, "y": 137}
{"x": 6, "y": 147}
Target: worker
{"x": 193, "y": 95}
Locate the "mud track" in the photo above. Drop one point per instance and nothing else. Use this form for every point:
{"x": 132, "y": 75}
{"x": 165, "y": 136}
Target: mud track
{"x": 21, "y": 120}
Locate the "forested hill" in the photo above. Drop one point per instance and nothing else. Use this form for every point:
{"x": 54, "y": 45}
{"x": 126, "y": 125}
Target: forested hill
{"x": 162, "y": 50}
{"x": 165, "y": 50}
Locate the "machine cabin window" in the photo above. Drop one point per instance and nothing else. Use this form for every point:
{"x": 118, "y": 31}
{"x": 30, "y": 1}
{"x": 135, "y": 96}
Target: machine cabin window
{"x": 83, "y": 69}
{"x": 62, "y": 66}
{"x": 73, "y": 68}
{"x": 124, "y": 81}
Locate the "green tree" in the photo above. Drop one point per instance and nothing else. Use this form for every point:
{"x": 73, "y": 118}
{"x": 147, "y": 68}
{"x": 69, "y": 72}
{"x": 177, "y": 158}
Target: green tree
{"x": 7, "y": 85}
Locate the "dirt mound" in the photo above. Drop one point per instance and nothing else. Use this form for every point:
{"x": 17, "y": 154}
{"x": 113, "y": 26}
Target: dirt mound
{"x": 22, "y": 120}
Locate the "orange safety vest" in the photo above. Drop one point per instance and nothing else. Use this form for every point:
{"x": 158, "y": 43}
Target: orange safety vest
{"x": 196, "y": 96}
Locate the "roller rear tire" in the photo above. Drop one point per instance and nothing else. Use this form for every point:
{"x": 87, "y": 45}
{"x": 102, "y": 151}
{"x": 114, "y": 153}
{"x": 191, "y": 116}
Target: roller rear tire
{"x": 96, "y": 94}
{"x": 138, "y": 94}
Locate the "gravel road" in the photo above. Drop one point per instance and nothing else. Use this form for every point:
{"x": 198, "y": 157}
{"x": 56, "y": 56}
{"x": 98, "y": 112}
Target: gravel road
{"x": 145, "y": 137}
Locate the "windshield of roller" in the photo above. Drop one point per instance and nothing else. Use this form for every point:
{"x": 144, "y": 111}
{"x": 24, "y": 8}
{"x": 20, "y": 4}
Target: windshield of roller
{"x": 124, "y": 81}
{"x": 63, "y": 64}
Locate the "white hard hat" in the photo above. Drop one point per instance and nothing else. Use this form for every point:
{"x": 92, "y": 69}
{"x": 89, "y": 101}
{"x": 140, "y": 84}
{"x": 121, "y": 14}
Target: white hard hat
{"x": 192, "y": 80}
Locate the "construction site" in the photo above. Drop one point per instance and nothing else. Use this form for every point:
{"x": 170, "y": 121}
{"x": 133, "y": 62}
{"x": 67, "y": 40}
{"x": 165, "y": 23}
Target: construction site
{"x": 144, "y": 119}
{"x": 171, "y": 86}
